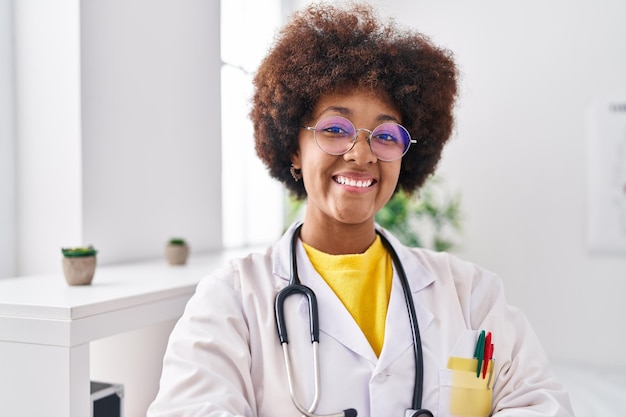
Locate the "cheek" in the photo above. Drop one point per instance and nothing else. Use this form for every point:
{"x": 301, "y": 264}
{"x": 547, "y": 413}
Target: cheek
{"x": 308, "y": 154}
{"x": 392, "y": 174}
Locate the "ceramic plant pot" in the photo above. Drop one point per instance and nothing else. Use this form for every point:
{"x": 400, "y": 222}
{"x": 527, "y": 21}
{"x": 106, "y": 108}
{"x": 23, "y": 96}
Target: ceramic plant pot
{"x": 176, "y": 254}
{"x": 79, "y": 270}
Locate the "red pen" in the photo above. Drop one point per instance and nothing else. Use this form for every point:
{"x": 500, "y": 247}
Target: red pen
{"x": 487, "y": 354}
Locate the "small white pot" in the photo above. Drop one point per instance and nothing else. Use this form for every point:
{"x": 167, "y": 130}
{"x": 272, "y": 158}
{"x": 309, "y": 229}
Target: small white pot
{"x": 79, "y": 270}
{"x": 176, "y": 254}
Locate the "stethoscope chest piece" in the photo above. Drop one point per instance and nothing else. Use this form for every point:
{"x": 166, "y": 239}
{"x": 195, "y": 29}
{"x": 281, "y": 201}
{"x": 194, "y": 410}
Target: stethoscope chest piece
{"x": 418, "y": 413}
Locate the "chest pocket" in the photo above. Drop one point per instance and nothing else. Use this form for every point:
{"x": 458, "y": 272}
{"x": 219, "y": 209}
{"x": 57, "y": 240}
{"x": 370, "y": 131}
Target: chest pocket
{"x": 465, "y": 387}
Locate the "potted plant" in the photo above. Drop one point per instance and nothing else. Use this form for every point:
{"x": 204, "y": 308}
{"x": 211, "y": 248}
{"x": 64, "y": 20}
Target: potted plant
{"x": 176, "y": 251}
{"x": 79, "y": 264}
{"x": 430, "y": 218}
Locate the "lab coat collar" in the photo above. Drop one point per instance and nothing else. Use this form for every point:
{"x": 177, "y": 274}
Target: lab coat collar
{"x": 335, "y": 319}
{"x": 420, "y": 279}
{"x": 281, "y": 251}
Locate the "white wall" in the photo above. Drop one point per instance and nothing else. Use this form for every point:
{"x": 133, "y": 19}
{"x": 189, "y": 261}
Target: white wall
{"x": 118, "y": 145}
{"x": 117, "y": 117}
{"x": 151, "y": 125}
{"x": 529, "y": 69}
{"x": 7, "y": 144}
{"x": 47, "y": 115}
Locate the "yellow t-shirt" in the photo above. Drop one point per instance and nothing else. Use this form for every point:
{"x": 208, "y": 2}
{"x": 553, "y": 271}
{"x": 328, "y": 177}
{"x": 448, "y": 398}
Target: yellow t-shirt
{"x": 363, "y": 284}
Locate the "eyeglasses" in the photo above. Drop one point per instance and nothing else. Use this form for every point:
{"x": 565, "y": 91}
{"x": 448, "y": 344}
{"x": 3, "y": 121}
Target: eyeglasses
{"x": 336, "y": 135}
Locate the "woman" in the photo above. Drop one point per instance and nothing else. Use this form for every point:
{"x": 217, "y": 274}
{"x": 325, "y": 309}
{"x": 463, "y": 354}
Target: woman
{"x": 347, "y": 111}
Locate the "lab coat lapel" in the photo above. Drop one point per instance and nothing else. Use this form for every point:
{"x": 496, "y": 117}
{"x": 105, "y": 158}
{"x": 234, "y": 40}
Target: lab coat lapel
{"x": 334, "y": 320}
{"x": 398, "y": 336}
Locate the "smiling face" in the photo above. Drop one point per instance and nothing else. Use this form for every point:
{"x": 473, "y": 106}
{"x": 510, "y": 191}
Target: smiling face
{"x": 344, "y": 192}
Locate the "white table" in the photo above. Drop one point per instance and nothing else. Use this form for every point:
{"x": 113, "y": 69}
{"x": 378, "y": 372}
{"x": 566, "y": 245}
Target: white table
{"x": 46, "y": 327}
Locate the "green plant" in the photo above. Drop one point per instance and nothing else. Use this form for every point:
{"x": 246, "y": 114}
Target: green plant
{"x": 430, "y": 218}
{"x": 177, "y": 241}
{"x": 78, "y": 252}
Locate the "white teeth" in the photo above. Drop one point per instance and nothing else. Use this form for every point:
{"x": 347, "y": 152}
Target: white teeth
{"x": 353, "y": 182}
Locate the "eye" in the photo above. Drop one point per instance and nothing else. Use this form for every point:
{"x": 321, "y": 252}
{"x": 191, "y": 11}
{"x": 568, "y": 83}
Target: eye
{"x": 335, "y": 127}
{"x": 386, "y": 137}
{"x": 335, "y": 130}
{"x": 391, "y": 134}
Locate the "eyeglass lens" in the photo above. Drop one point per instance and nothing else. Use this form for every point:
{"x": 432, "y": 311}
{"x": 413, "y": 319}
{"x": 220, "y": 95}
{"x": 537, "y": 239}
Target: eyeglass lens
{"x": 336, "y": 135}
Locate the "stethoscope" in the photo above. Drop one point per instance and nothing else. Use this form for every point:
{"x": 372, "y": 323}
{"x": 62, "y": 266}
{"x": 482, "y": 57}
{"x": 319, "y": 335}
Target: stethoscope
{"x": 296, "y": 287}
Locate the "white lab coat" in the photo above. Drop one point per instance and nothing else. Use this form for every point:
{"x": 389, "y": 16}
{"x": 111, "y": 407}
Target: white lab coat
{"x": 224, "y": 359}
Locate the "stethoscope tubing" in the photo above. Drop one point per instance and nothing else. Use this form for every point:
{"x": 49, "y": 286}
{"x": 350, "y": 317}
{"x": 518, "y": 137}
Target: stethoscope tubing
{"x": 292, "y": 391}
{"x": 313, "y": 313}
{"x": 295, "y": 287}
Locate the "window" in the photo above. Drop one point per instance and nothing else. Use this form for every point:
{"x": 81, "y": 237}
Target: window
{"x": 252, "y": 202}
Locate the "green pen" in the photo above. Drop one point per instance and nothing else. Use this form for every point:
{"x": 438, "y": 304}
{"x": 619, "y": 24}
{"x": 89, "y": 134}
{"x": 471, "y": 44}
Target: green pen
{"x": 480, "y": 347}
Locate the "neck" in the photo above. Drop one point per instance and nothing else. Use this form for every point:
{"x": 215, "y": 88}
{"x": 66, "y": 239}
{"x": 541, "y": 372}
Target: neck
{"x": 338, "y": 239}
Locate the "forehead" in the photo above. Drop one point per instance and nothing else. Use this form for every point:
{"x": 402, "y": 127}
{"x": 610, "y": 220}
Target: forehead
{"x": 358, "y": 103}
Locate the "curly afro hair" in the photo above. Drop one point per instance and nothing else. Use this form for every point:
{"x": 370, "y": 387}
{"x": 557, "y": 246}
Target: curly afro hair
{"x": 329, "y": 49}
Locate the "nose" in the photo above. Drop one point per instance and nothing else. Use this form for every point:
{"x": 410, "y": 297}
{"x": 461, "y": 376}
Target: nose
{"x": 361, "y": 151}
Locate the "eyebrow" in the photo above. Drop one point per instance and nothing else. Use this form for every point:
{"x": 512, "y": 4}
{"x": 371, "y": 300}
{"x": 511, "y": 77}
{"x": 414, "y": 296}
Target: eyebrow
{"x": 345, "y": 111}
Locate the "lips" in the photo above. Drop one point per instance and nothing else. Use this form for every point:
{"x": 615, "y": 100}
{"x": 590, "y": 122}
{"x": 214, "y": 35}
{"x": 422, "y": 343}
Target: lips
{"x": 354, "y": 182}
